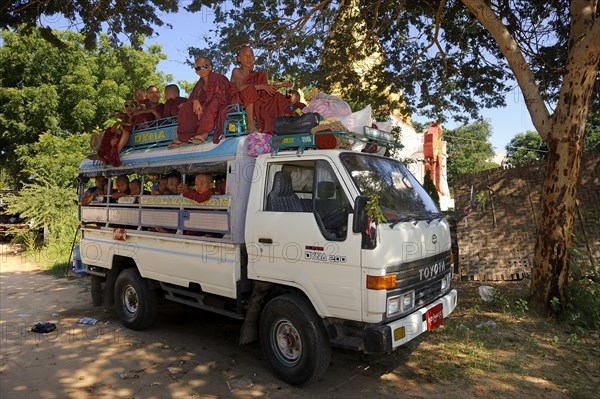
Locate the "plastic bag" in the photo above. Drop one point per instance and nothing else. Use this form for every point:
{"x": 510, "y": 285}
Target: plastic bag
{"x": 356, "y": 121}
{"x": 258, "y": 143}
{"x": 327, "y": 106}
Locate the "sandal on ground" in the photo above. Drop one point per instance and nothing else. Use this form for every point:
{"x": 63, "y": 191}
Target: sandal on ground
{"x": 196, "y": 140}
{"x": 174, "y": 144}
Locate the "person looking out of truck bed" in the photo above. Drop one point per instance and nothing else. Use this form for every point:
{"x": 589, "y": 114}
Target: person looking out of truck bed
{"x": 202, "y": 190}
{"x": 135, "y": 186}
{"x": 173, "y": 182}
{"x": 93, "y": 192}
{"x": 122, "y": 186}
{"x": 160, "y": 187}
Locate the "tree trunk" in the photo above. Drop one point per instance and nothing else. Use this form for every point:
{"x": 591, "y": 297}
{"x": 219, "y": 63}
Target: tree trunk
{"x": 565, "y": 142}
{"x": 554, "y": 239}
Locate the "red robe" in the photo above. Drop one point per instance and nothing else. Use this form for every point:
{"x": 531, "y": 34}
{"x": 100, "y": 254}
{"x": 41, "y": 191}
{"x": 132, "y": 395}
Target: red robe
{"x": 109, "y": 153}
{"x": 266, "y": 106}
{"x": 214, "y": 99}
{"x": 171, "y": 107}
{"x": 198, "y": 197}
{"x": 146, "y": 117}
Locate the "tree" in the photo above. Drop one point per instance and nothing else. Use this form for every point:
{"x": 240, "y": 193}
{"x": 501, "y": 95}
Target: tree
{"x": 49, "y": 196}
{"x": 469, "y": 150}
{"x": 64, "y": 91}
{"x": 455, "y": 57}
{"x": 526, "y": 148}
{"x": 134, "y": 19}
{"x": 430, "y": 187}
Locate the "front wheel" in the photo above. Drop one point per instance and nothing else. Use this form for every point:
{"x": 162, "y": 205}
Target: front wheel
{"x": 293, "y": 340}
{"x": 136, "y": 304}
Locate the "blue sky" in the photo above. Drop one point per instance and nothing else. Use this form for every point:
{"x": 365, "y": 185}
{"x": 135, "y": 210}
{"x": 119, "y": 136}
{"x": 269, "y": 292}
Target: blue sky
{"x": 189, "y": 29}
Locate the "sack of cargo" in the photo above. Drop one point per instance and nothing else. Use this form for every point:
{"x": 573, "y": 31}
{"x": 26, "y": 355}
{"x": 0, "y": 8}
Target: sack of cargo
{"x": 283, "y": 125}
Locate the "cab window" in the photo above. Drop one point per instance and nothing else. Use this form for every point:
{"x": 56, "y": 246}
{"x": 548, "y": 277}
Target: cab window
{"x": 309, "y": 186}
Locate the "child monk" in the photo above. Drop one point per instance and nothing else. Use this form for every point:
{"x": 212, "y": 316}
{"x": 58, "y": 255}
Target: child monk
{"x": 253, "y": 91}
{"x": 202, "y": 190}
{"x": 203, "y": 110}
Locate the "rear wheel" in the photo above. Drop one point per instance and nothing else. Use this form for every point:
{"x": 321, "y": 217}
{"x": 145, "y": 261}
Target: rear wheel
{"x": 293, "y": 340}
{"x": 136, "y": 304}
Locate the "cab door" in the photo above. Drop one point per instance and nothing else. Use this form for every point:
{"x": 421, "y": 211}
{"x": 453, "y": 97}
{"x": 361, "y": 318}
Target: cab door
{"x": 301, "y": 235}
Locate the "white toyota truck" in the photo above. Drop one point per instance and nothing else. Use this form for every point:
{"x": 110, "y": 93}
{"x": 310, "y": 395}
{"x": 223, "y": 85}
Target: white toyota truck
{"x": 290, "y": 246}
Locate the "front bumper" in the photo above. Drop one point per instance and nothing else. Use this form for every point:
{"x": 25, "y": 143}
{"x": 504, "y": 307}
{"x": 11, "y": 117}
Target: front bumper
{"x": 387, "y": 337}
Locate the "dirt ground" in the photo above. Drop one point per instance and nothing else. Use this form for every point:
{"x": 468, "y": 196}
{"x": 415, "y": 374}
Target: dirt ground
{"x": 189, "y": 353}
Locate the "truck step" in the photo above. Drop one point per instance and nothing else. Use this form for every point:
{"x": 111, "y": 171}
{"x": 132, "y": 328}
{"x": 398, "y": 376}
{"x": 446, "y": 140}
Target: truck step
{"x": 195, "y": 299}
{"x": 344, "y": 342}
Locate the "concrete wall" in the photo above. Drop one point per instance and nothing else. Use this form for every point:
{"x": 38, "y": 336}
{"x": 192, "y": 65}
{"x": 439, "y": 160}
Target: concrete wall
{"x": 496, "y": 230}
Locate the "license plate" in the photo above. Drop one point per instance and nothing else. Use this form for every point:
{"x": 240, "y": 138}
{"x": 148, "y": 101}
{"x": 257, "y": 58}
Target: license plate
{"x": 435, "y": 316}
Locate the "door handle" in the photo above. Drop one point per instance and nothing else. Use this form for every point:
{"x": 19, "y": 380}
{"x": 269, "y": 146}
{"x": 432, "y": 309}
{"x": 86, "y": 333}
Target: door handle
{"x": 265, "y": 241}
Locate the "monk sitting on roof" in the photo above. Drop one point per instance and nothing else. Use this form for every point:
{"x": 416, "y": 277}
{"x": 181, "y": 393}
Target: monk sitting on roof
{"x": 253, "y": 91}
{"x": 205, "y": 109}
{"x": 173, "y": 102}
{"x": 116, "y": 136}
{"x": 147, "y": 111}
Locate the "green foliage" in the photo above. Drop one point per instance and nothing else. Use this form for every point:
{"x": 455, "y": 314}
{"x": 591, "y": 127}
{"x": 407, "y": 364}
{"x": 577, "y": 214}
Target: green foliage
{"x": 583, "y": 291}
{"x": 525, "y": 148}
{"x": 49, "y": 197}
{"x": 374, "y": 210}
{"x": 131, "y": 19}
{"x": 592, "y": 131}
{"x": 429, "y": 186}
{"x": 469, "y": 150}
{"x": 64, "y": 91}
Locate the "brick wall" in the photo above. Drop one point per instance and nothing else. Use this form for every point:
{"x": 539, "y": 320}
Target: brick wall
{"x": 496, "y": 238}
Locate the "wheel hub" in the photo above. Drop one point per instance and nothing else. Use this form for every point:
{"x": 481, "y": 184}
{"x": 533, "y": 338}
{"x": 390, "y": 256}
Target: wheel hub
{"x": 288, "y": 341}
{"x": 130, "y": 299}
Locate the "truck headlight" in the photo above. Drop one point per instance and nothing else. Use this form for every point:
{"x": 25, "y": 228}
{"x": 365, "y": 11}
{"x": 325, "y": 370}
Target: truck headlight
{"x": 393, "y": 305}
{"x": 446, "y": 281}
{"x": 400, "y": 303}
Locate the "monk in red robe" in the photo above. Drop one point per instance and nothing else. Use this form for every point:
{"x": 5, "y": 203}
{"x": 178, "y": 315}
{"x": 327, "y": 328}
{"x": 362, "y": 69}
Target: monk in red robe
{"x": 173, "y": 102}
{"x": 202, "y": 191}
{"x": 115, "y": 137}
{"x": 253, "y": 91}
{"x": 147, "y": 112}
{"x": 205, "y": 109}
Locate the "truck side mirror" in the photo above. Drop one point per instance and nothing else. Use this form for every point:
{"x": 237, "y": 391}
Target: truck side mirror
{"x": 359, "y": 224}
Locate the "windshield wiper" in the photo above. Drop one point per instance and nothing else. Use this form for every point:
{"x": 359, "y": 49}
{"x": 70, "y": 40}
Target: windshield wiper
{"x": 434, "y": 216}
{"x": 415, "y": 219}
{"x": 405, "y": 219}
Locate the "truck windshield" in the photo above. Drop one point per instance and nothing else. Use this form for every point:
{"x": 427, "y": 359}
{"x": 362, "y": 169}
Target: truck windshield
{"x": 401, "y": 197}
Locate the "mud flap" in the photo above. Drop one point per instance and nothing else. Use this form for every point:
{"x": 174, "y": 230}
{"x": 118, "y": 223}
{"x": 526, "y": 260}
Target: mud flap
{"x": 249, "y": 331}
{"x": 109, "y": 289}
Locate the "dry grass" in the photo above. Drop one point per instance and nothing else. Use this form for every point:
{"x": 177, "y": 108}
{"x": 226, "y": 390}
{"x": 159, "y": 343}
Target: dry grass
{"x": 523, "y": 354}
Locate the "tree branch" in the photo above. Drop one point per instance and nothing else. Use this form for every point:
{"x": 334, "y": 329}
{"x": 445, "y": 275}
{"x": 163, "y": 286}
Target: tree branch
{"x": 434, "y": 40}
{"x": 540, "y": 116}
{"x": 581, "y": 68}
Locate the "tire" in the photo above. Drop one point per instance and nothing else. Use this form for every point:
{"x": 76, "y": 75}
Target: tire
{"x": 294, "y": 340}
{"x": 97, "y": 290}
{"x": 136, "y": 304}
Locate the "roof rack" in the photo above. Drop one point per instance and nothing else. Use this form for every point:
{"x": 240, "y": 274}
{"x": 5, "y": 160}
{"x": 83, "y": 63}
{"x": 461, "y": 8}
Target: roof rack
{"x": 302, "y": 141}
